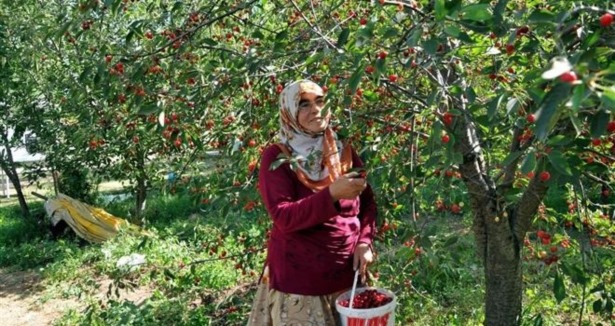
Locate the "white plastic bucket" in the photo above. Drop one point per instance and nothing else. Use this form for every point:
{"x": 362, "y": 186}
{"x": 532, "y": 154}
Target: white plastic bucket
{"x": 380, "y": 316}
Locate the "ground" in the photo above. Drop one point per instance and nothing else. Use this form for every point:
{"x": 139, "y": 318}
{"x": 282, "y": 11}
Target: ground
{"x": 23, "y": 299}
{"x": 23, "y": 295}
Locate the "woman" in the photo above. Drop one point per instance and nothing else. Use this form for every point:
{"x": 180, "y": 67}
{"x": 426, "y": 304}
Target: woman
{"x": 323, "y": 218}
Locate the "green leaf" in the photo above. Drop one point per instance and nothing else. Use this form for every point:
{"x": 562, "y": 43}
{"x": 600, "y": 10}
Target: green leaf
{"x": 355, "y": 79}
{"x": 471, "y": 95}
{"x": 558, "y": 288}
{"x": 168, "y": 273}
{"x": 529, "y": 163}
{"x": 475, "y": 26}
{"x": 452, "y": 30}
{"x": 576, "y": 123}
{"x": 599, "y": 122}
{"x": 440, "y": 9}
{"x": 390, "y": 33}
{"x": 511, "y": 157}
{"x": 477, "y": 12}
{"x": 608, "y": 99}
{"x": 281, "y": 159}
{"x": 313, "y": 58}
{"x": 546, "y": 113}
{"x": 63, "y": 29}
{"x": 343, "y": 37}
{"x": 370, "y": 96}
{"x": 177, "y": 6}
{"x": 542, "y": 16}
{"x": 512, "y": 106}
{"x": 432, "y": 161}
{"x": 148, "y": 109}
{"x": 500, "y": 7}
{"x": 210, "y": 41}
{"x": 414, "y": 38}
{"x": 597, "y": 306}
{"x": 559, "y": 140}
{"x": 492, "y": 108}
{"x": 86, "y": 72}
{"x": 431, "y": 46}
{"x": 559, "y": 162}
{"x": 451, "y": 241}
{"x": 578, "y": 96}
{"x": 576, "y": 274}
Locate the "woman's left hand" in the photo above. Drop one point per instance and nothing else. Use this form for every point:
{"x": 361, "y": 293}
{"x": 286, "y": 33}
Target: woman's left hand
{"x": 363, "y": 256}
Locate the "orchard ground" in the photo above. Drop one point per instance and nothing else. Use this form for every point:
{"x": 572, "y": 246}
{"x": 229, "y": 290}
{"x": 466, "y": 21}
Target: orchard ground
{"x": 25, "y": 299}
{"x": 203, "y": 262}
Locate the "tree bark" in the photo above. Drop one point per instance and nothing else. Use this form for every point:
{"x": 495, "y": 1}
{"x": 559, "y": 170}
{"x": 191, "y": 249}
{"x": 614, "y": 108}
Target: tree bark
{"x": 141, "y": 188}
{"x": 499, "y": 228}
{"x": 503, "y": 275}
{"x": 9, "y": 168}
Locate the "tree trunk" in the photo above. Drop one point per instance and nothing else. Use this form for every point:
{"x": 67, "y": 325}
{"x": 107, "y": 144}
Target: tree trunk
{"x": 140, "y": 195}
{"x": 8, "y": 166}
{"x": 141, "y": 188}
{"x": 503, "y": 276}
{"x": 499, "y": 227}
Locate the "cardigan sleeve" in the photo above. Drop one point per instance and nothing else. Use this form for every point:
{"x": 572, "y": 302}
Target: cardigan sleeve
{"x": 368, "y": 210}
{"x": 278, "y": 190}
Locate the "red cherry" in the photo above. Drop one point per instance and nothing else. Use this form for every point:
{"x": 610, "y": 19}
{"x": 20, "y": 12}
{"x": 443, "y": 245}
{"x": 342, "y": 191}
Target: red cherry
{"x": 523, "y": 30}
{"x": 606, "y": 20}
{"x": 446, "y": 139}
{"x": 596, "y": 141}
{"x": 382, "y": 55}
{"x": 545, "y": 176}
{"x": 568, "y": 77}
{"x": 531, "y": 118}
{"x": 447, "y": 118}
{"x": 363, "y": 21}
{"x": 392, "y": 78}
{"x": 610, "y": 127}
{"x": 370, "y": 69}
{"x": 510, "y": 49}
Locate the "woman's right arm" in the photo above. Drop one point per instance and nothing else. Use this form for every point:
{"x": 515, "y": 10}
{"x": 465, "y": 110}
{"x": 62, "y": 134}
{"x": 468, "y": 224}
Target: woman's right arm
{"x": 278, "y": 190}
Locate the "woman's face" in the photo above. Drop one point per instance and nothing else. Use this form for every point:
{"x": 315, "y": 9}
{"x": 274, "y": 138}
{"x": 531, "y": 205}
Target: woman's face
{"x": 312, "y": 116}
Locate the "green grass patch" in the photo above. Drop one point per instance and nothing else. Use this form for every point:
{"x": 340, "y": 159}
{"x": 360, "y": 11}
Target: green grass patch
{"x": 202, "y": 261}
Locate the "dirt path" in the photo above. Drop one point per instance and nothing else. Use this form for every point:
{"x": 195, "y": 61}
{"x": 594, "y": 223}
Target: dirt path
{"x": 21, "y": 301}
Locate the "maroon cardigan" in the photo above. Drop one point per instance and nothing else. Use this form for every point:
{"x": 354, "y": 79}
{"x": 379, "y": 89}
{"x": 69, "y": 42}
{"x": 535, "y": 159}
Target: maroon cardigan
{"x": 313, "y": 238}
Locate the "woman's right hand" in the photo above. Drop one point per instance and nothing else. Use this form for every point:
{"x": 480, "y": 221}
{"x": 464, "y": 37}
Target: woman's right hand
{"x": 348, "y": 186}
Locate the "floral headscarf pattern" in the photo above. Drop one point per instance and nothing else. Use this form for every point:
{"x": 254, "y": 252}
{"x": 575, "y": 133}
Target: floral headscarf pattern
{"x": 319, "y": 155}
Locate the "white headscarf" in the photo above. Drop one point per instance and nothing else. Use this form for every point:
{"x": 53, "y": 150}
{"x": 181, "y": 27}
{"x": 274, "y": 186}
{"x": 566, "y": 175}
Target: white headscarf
{"x": 308, "y": 148}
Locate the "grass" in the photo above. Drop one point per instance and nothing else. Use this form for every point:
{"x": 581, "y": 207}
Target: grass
{"x": 203, "y": 261}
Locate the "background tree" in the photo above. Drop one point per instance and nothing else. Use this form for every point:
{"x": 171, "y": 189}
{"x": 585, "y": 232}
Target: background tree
{"x": 503, "y": 100}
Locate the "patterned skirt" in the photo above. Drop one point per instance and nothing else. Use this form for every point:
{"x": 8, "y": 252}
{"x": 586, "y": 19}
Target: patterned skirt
{"x": 275, "y": 308}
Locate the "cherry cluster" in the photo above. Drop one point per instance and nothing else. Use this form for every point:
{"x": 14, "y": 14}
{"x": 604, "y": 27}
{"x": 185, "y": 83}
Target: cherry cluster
{"x": 367, "y": 299}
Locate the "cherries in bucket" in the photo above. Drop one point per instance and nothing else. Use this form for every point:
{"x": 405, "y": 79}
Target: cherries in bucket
{"x": 367, "y": 299}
